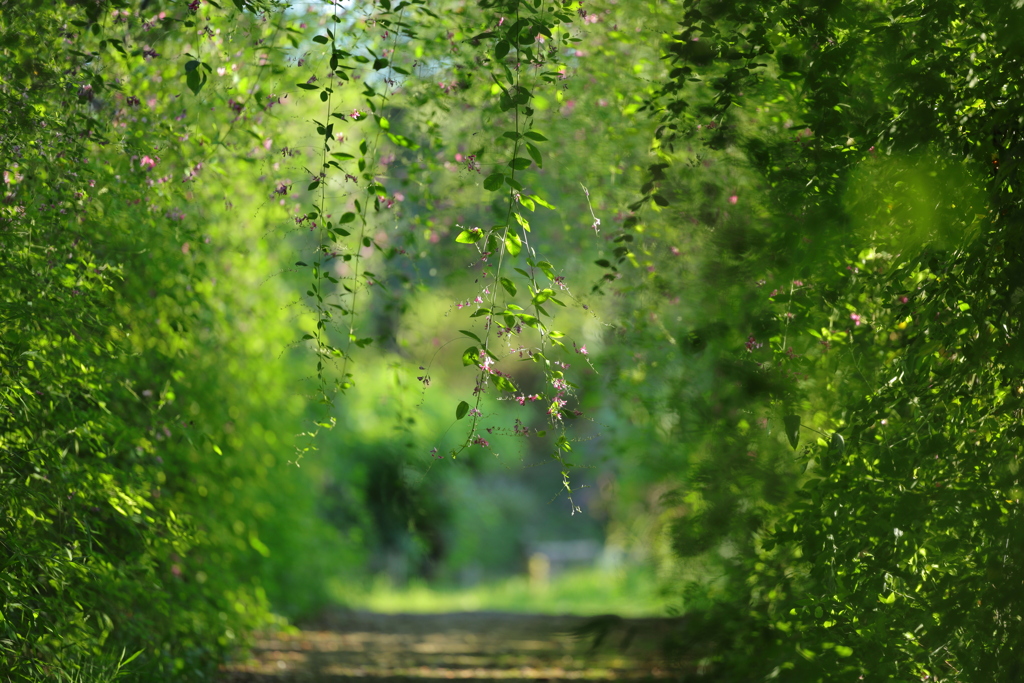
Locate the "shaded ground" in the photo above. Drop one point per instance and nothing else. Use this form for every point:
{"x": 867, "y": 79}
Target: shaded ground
{"x": 467, "y": 646}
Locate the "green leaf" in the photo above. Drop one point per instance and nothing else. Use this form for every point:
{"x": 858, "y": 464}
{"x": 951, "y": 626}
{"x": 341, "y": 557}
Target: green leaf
{"x": 659, "y": 200}
{"x": 502, "y": 383}
{"x": 195, "y": 80}
{"x": 539, "y": 201}
{"x": 461, "y": 410}
{"x": 513, "y": 243}
{"x": 792, "y": 424}
{"x": 501, "y": 49}
{"x": 384, "y": 123}
{"x": 380, "y": 63}
{"x": 403, "y": 141}
{"x": 471, "y": 356}
{"x": 347, "y": 217}
{"x": 470, "y": 236}
{"x": 307, "y": 86}
{"x": 534, "y": 135}
{"x": 258, "y": 545}
{"x": 494, "y": 181}
{"x": 471, "y": 335}
{"x": 124, "y": 663}
{"x": 542, "y": 296}
{"x": 520, "y": 163}
{"x": 323, "y": 40}
{"x": 523, "y": 222}
{"x": 534, "y": 153}
{"x": 509, "y": 286}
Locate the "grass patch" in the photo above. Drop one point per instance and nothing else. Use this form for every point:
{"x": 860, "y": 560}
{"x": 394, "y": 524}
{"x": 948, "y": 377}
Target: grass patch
{"x": 627, "y": 592}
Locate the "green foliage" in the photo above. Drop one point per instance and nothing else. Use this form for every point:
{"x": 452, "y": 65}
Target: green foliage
{"x": 813, "y": 342}
{"x": 861, "y": 226}
{"x": 139, "y": 413}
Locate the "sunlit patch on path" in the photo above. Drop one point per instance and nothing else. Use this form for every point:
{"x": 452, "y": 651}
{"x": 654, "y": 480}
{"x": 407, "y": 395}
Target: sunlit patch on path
{"x": 465, "y": 646}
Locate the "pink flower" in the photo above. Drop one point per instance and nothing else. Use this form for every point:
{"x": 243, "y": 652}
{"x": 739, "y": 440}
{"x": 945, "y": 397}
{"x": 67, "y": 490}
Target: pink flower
{"x": 733, "y": 199}
{"x": 485, "y": 364}
{"x": 855, "y": 318}
{"x": 556, "y": 406}
{"x": 147, "y": 162}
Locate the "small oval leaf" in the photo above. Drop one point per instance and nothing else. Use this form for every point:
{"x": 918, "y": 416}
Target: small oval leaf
{"x": 493, "y": 182}
{"x": 513, "y": 243}
{"x": 792, "y": 424}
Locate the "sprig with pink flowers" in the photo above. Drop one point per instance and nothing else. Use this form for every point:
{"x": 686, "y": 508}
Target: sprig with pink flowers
{"x": 337, "y": 240}
{"x": 509, "y": 47}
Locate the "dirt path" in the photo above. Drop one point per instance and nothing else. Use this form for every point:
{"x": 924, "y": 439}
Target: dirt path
{"x": 465, "y": 646}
